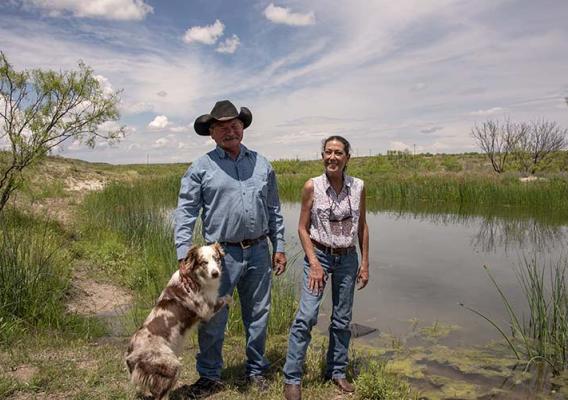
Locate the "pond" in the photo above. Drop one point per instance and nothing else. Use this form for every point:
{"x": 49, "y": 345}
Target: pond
{"x": 424, "y": 263}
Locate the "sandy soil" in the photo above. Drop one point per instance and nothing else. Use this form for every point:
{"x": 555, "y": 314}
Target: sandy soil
{"x": 90, "y": 297}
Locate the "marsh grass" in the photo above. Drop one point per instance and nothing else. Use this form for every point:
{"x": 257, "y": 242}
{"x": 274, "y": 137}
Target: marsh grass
{"x": 376, "y": 382}
{"x": 388, "y": 191}
{"x": 398, "y": 180}
{"x": 542, "y": 334}
{"x": 128, "y": 230}
{"x": 34, "y": 279}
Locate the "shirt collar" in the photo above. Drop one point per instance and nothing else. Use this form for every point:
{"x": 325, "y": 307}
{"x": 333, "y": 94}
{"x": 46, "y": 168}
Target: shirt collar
{"x": 347, "y": 181}
{"x": 223, "y": 154}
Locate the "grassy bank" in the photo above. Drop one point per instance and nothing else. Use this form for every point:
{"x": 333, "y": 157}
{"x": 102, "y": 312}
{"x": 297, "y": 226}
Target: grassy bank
{"x": 35, "y": 276}
{"x": 462, "y": 180}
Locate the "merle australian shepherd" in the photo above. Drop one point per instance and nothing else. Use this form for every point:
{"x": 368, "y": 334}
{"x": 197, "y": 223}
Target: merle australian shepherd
{"x": 191, "y": 296}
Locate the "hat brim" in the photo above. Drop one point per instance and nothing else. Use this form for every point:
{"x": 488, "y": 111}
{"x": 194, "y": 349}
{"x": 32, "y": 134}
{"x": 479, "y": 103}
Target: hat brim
{"x": 202, "y": 123}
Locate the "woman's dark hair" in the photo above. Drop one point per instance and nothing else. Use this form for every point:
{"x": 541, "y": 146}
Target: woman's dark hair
{"x": 346, "y": 145}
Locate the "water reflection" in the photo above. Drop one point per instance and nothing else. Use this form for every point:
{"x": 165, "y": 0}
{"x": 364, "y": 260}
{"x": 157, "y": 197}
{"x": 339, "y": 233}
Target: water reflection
{"x": 505, "y": 228}
{"x": 495, "y": 233}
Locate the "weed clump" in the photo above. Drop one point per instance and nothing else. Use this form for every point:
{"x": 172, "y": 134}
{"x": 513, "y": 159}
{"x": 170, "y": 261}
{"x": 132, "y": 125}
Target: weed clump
{"x": 375, "y": 382}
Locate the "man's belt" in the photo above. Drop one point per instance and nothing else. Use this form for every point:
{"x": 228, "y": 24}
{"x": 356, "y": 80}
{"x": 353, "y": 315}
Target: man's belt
{"x": 245, "y": 244}
{"x": 337, "y": 251}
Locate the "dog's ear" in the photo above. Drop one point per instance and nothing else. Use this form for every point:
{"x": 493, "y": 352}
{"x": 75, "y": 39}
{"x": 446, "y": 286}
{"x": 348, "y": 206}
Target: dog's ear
{"x": 219, "y": 249}
{"x": 189, "y": 260}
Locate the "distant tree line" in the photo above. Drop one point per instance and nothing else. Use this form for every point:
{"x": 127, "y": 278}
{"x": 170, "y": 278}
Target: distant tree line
{"x": 530, "y": 144}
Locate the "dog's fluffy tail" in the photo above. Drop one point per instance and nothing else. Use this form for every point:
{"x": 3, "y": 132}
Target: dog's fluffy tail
{"x": 154, "y": 373}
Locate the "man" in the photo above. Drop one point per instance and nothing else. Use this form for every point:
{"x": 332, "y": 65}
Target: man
{"x": 235, "y": 190}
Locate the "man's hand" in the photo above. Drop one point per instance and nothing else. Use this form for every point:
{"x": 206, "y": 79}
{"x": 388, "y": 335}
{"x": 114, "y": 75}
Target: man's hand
{"x": 279, "y": 262}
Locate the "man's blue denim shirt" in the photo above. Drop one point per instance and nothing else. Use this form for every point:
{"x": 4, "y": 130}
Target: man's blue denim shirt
{"x": 238, "y": 198}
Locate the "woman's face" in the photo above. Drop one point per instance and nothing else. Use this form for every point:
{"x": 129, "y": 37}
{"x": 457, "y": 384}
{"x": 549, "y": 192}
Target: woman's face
{"x": 334, "y": 157}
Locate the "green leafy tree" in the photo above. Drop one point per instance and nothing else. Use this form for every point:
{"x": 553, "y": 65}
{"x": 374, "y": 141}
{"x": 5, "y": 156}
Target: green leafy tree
{"x": 40, "y": 109}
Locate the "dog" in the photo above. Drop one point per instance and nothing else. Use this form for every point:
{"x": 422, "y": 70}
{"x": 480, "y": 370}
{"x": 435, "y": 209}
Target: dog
{"x": 191, "y": 296}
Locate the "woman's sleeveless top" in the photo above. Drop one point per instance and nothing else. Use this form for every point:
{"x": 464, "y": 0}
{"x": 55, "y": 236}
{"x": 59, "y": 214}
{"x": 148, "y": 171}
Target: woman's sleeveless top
{"x": 335, "y": 218}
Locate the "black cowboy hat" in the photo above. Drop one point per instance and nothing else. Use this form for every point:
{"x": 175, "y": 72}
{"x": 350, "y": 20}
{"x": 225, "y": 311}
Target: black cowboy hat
{"x": 223, "y": 110}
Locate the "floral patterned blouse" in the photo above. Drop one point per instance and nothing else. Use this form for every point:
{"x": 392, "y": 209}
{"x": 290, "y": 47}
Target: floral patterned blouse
{"x": 335, "y": 217}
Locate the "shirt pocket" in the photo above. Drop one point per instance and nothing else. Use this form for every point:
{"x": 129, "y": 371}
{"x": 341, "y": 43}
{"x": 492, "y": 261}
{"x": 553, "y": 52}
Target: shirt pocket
{"x": 257, "y": 186}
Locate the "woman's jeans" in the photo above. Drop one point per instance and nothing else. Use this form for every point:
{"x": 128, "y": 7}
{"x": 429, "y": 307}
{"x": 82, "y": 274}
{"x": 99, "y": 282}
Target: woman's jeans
{"x": 342, "y": 271}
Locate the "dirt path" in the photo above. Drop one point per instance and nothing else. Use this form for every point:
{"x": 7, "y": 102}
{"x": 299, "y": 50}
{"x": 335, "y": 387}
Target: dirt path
{"x": 89, "y": 297}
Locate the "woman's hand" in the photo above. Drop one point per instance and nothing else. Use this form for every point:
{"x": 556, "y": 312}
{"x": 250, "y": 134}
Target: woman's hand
{"x": 316, "y": 278}
{"x": 362, "y": 276}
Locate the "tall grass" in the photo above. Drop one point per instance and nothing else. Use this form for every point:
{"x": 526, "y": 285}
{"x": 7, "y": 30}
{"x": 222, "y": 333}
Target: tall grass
{"x": 134, "y": 219}
{"x": 34, "y": 279}
{"x": 542, "y": 335}
{"x": 403, "y": 190}
{"x": 130, "y": 228}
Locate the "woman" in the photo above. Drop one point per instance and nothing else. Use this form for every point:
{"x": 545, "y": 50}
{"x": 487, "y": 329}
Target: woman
{"x": 331, "y": 219}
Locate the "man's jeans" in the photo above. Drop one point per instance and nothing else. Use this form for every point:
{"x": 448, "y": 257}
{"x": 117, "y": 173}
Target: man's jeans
{"x": 343, "y": 271}
{"x": 249, "y": 270}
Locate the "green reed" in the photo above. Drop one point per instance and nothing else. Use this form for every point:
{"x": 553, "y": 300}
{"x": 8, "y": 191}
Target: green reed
{"x": 138, "y": 217}
{"x": 396, "y": 190}
{"x": 129, "y": 227}
{"x": 542, "y": 334}
{"x": 35, "y": 271}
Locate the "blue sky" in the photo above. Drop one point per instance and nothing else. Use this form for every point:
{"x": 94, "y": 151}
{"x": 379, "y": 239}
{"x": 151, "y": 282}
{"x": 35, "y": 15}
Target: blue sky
{"x": 385, "y": 74}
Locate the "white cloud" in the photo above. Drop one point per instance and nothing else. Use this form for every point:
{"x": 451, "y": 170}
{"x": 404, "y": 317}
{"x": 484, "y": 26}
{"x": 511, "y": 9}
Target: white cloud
{"x": 419, "y": 86}
{"x": 105, "y": 85}
{"x": 490, "y": 111}
{"x": 75, "y": 145}
{"x": 179, "y": 129}
{"x": 166, "y": 141}
{"x": 282, "y": 15}
{"x": 103, "y": 9}
{"x": 135, "y": 108}
{"x": 204, "y": 34}
{"x": 229, "y": 46}
{"x": 432, "y": 129}
{"x": 108, "y": 126}
{"x": 398, "y": 146}
{"x": 160, "y": 122}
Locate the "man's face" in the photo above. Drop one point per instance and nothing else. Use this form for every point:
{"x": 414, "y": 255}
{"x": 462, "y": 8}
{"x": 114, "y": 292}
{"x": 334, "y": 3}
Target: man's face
{"x": 228, "y": 134}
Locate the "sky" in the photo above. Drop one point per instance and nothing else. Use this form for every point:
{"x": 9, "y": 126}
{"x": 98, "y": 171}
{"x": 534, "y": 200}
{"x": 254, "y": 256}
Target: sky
{"x": 387, "y": 75}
